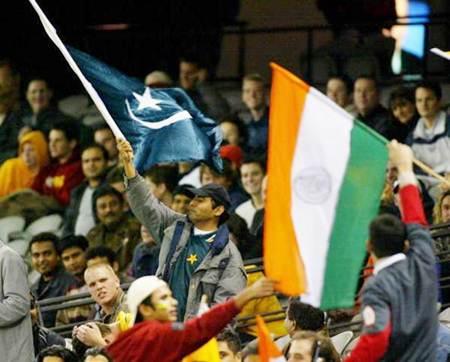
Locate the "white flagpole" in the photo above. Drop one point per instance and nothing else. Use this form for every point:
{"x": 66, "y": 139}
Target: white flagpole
{"x": 51, "y": 32}
{"x": 441, "y": 53}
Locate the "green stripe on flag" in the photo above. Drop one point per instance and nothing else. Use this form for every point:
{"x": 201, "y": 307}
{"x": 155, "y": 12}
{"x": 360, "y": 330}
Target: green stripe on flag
{"x": 358, "y": 203}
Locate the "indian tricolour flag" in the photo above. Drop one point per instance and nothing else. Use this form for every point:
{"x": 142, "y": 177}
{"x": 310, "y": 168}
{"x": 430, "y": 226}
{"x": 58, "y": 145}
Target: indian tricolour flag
{"x": 325, "y": 176}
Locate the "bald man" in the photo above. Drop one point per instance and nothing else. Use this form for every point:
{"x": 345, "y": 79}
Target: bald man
{"x": 104, "y": 287}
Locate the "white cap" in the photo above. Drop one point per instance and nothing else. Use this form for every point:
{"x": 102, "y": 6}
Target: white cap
{"x": 140, "y": 289}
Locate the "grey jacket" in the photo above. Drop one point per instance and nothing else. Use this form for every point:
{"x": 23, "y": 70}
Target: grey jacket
{"x": 220, "y": 275}
{"x": 16, "y": 339}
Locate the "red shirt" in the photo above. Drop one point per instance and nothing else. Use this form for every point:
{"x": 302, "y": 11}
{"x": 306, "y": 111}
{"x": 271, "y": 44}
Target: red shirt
{"x": 164, "y": 341}
{"x": 58, "y": 180}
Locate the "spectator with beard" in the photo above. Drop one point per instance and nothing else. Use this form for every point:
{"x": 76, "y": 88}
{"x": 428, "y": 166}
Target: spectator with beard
{"x": 79, "y": 217}
{"x": 115, "y": 228}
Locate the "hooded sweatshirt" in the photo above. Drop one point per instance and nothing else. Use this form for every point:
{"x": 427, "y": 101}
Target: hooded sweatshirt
{"x": 14, "y": 173}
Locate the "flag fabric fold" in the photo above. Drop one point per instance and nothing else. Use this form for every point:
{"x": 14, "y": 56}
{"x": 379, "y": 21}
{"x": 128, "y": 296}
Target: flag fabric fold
{"x": 326, "y": 173}
{"x": 268, "y": 350}
{"x": 162, "y": 125}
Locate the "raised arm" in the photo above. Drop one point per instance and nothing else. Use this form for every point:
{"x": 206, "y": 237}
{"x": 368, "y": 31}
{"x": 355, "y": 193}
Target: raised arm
{"x": 154, "y": 215}
{"x": 411, "y": 207}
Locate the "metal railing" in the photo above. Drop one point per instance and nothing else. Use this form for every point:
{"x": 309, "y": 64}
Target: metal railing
{"x": 252, "y": 266}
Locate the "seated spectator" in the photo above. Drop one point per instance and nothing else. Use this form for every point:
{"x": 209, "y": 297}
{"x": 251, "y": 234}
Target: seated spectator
{"x": 19, "y": 173}
{"x": 182, "y": 197}
{"x": 56, "y": 354}
{"x": 193, "y": 78}
{"x": 252, "y": 174}
{"x": 40, "y": 114}
{"x": 302, "y": 317}
{"x": 54, "y": 281}
{"x": 114, "y": 178}
{"x": 248, "y": 245}
{"x": 430, "y": 140}
{"x": 64, "y": 173}
{"x": 227, "y": 179}
{"x": 84, "y": 336}
{"x": 104, "y": 288}
{"x": 162, "y": 180}
{"x": 442, "y": 209}
{"x": 339, "y": 90}
{"x": 10, "y": 123}
{"x": 114, "y": 228}
{"x": 234, "y": 131}
{"x": 145, "y": 256}
{"x": 257, "y": 120}
{"x": 233, "y": 154}
{"x": 96, "y": 355}
{"x": 229, "y": 346}
{"x": 44, "y": 338}
{"x": 404, "y": 115}
{"x": 311, "y": 347}
{"x": 104, "y": 136}
{"x": 104, "y": 255}
{"x": 72, "y": 250}
{"x": 79, "y": 216}
{"x": 151, "y": 302}
{"x": 366, "y": 97}
{"x": 158, "y": 79}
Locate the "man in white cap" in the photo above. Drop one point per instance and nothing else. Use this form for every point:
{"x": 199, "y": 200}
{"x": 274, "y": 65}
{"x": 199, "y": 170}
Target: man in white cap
{"x": 156, "y": 336}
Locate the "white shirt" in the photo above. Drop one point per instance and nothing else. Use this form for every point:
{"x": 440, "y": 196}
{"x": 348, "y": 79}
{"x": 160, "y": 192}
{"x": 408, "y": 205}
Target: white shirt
{"x": 387, "y": 261}
{"x": 85, "y": 220}
{"x": 247, "y": 211}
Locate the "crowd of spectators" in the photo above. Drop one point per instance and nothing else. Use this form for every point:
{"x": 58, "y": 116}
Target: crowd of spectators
{"x": 187, "y": 224}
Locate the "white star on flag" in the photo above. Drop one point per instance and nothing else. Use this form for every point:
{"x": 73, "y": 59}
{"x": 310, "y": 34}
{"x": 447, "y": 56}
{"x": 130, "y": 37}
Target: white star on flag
{"x": 146, "y": 101}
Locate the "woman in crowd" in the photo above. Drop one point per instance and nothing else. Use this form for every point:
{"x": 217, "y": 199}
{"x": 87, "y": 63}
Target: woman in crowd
{"x": 18, "y": 173}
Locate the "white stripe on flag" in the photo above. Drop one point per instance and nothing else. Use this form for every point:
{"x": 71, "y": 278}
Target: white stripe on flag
{"x": 318, "y": 169}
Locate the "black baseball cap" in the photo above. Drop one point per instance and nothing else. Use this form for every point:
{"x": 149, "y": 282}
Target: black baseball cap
{"x": 185, "y": 190}
{"x": 214, "y": 191}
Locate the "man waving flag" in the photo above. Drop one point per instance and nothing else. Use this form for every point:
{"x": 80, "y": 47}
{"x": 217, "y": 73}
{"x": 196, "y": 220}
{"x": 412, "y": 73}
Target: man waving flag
{"x": 162, "y": 125}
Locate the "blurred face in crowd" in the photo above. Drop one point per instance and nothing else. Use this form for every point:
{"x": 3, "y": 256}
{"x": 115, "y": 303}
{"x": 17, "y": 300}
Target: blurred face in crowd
{"x": 253, "y": 94}
{"x": 93, "y": 163}
{"x": 403, "y": 110}
{"x": 189, "y": 73}
{"x": 59, "y": 146}
{"x": 208, "y": 176}
{"x": 38, "y": 95}
{"x": 428, "y": 105}
{"x": 445, "y": 209}
{"x": 9, "y": 88}
{"x": 226, "y": 354}
{"x": 202, "y": 209}
{"x": 251, "y": 178}
{"x": 180, "y": 203}
{"x": 300, "y": 350}
{"x": 103, "y": 284}
{"x": 365, "y": 96}
{"x": 44, "y": 257}
{"x": 164, "y": 306}
{"x": 230, "y": 132}
{"x": 30, "y": 155}
{"x": 337, "y": 91}
{"x": 106, "y": 138}
{"x": 109, "y": 209}
{"x": 74, "y": 260}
